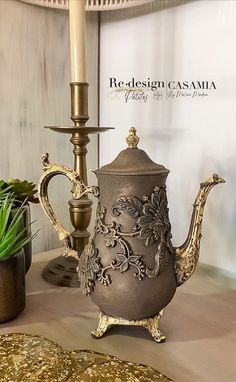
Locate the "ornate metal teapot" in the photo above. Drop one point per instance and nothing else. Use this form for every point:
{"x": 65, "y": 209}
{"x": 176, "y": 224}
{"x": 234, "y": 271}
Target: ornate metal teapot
{"x": 129, "y": 267}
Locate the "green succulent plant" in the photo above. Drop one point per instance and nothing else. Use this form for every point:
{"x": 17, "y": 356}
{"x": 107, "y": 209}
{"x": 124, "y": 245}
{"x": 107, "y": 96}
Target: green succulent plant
{"x": 12, "y": 233}
{"x": 21, "y": 189}
{"x": 4, "y": 189}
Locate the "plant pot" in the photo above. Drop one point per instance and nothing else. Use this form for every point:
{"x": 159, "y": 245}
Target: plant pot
{"x": 26, "y": 223}
{"x": 12, "y": 286}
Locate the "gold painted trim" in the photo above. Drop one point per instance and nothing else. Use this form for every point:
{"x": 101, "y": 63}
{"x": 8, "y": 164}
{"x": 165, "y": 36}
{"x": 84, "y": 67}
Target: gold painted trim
{"x": 132, "y": 139}
{"x": 150, "y": 323}
{"x": 78, "y": 191}
{"x": 187, "y": 254}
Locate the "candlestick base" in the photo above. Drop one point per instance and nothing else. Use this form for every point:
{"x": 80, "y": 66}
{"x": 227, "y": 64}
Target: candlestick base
{"x": 61, "y": 271}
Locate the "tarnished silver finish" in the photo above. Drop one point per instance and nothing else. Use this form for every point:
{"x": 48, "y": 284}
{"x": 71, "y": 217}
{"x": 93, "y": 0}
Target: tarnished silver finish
{"x": 130, "y": 256}
{"x": 151, "y": 223}
{"x": 129, "y": 266}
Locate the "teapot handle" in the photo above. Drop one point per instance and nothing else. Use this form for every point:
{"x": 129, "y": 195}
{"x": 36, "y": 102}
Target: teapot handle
{"x": 79, "y": 189}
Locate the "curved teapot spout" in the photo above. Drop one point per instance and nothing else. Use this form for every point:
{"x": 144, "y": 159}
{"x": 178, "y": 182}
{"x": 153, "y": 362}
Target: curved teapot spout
{"x": 187, "y": 254}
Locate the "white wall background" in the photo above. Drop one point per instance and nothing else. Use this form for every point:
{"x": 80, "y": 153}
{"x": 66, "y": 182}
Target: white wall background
{"x": 192, "y": 137}
{"x": 34, "y": 92}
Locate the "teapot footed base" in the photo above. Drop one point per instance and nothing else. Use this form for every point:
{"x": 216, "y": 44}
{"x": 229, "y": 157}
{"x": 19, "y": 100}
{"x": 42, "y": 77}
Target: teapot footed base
{"x": 150, "y": 323}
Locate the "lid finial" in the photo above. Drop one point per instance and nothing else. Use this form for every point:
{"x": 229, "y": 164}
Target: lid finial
{"x": 132, "y": 139}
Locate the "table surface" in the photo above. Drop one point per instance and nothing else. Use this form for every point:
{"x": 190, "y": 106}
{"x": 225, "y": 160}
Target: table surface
{"x": 199, "y": 323}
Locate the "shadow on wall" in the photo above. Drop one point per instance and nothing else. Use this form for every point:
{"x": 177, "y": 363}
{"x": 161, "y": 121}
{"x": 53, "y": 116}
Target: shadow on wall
{"x": 157, "y": 120}
{"x": 229, "y": 209}
{"x": 221, "y": 208}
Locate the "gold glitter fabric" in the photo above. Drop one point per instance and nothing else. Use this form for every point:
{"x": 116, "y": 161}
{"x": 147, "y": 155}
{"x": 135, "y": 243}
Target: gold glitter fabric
{"x": 26, "y": 358}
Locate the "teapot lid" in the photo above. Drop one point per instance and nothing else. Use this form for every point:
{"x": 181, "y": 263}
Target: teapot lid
{"x": 132, "y": 161}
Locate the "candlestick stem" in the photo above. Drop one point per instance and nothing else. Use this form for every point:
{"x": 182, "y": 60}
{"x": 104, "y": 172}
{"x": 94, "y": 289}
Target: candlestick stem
{"x": 81, "y": 209}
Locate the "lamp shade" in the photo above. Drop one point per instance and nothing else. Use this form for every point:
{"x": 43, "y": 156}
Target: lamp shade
{"x": 91, "y": 5}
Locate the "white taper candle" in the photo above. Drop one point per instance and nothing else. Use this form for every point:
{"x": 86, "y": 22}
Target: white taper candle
{"x": 77, "y": 19}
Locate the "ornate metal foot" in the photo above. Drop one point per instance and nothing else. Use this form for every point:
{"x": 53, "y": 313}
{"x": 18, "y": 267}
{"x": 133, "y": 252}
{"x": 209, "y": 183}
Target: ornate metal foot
{"x": 151, "y": 324}
{"x": 105, "y": 322}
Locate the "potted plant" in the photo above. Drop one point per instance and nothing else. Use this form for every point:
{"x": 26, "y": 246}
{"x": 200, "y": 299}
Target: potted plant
{"x": 24, "y": 193}
{"x": 13, "y": 237}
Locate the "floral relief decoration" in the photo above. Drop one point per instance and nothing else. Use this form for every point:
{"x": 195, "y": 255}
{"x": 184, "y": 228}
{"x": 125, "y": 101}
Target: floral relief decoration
{"x": 152, "y": 225}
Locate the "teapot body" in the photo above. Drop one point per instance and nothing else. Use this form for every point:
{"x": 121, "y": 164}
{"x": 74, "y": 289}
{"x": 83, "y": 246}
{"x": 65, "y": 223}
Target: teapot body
{"x": 128, "y": 265}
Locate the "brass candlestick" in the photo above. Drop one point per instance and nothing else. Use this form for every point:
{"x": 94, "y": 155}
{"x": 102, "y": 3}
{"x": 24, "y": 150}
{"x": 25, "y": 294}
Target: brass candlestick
{"x": 61, "y": 270}
{"x": 80, "y": 209}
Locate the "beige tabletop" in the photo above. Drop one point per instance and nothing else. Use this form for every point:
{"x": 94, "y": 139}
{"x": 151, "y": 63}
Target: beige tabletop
{"x": 199, "y": 323}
